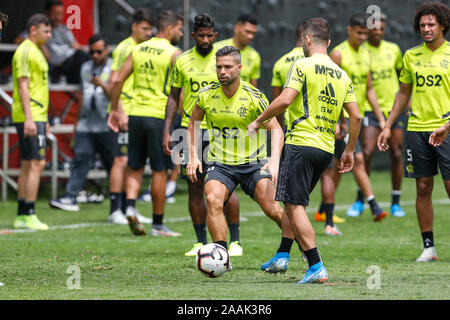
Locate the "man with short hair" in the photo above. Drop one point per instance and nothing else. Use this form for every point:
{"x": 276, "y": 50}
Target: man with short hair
{"x": 233, "y": 157}
{"x": 309, "y": 144}
{"x": 141, "y": 30}
{"x": 151, "y": 64}
{"x": 3, "y": 22}
{"x": 425, "y": 77}
{"x": 29, "y": 113}
{"x": 244, "y": 32}
{"x": 92, "y": 134}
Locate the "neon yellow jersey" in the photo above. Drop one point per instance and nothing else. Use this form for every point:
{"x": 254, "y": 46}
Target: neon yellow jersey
{"x": 386, "y": 59}
{"x": 281, "y": 70}
{"x": 193, "y": 72}
{"x": 251, "y": 60}
{"x": 227, "y": 121}
{"x": 119, "y": 55}
{"x": 429, "y": 74}
{"x": 357, "y": 66}
{"x": 323, "y": 89}
{"x": 151, "y": 71}
{"x": 29, "y": 62}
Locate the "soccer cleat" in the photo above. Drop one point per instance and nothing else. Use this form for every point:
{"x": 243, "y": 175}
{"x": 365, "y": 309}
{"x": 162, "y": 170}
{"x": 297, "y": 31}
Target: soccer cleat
{"x": 380, "y": 216}
{"x": 29, "y": 222}
{"x": 316, "y": 274}
{"x": 171, "y": 199}
{"x": 143, "y": 219}
{"x": 145, "y": 197}
{"x": 235, "y": 249}
{"x": 161, "y": 230}
{"x": 321, "y": 217}
{"x": 332, "y": 231}
{"x": 65, "y": 203}
{"x": 278, "y": 264}
{"x": 194, "y": 250}
{"x": 397, "y": 211}
{"x": 117, "y": 217}
{"x": 136, "y": 227}
{"x": 428, "y": 254}
{"x": 356, "y": 209}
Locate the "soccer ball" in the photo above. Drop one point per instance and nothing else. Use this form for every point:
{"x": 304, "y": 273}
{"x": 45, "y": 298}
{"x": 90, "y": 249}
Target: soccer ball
{"x": 212, "y": 260}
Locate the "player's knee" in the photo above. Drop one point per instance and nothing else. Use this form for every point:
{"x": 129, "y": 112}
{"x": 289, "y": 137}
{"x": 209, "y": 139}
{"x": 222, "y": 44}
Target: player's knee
{"x": 37, "y": 165}
{"x": 214, "y": 200}
{"x": 397, "y": 152}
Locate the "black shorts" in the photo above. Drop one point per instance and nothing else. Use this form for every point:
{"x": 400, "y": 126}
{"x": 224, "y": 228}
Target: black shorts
{"x": 247, "y": 175}
{"x": 422, "y": 159}
{"x": 371, "y": 120}
{"x": 145, "y": 141}
{"x": 122, "y": 144}
{"x": 300, "y": 170}
{"x": 32, "y": 148}
{"x": 202, "y": 153}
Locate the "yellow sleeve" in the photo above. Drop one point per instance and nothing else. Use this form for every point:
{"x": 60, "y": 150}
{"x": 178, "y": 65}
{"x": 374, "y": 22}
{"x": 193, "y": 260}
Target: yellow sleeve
{"x": 276, "y": 76}
{"x": 22, "y": 63}
{"x": 405, "y": 75}
{"x": 256, "y": 71}
{"x": 350, "y": 94}
{"x": 398, "y": 59}
{"x": 177, "y": 76}
{"x": 296, "y": 78}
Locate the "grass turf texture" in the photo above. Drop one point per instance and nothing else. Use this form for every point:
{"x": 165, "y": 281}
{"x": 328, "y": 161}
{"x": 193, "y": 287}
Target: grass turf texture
{"x": 114, "y": 264}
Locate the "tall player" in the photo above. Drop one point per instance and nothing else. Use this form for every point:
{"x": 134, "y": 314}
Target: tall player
{"x": 309, "y": 144}
{"x": 151, "y": 64}
{"x": 30, "y": 116}
{"x": 194, "y": 70}
{"x": 426, "y": 77}
{"x": 141, "y": 30}
{"x": 385, "y": 66}
{"x": 354, "y": 58}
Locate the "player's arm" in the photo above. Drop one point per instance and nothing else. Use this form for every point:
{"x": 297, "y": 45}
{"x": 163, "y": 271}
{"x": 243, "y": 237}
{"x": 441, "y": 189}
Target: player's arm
{"x": 119, "y": 115}
{"x": 336, "y": 57}
{"x": 193, "y": 138}
{"x": 371, "y": 96}
{"x": 171, "y": 112}
{"x": 30, "y": 129}
{"x": 254, "y": 82}
{"x": 347, "y": 159}
{"x": 400, "y": 102}
{"x": 276, "y": 91}
{"x": 277, "y": 142}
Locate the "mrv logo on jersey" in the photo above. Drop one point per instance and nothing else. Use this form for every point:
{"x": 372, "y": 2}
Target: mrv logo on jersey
{"x": 320, "y": 69}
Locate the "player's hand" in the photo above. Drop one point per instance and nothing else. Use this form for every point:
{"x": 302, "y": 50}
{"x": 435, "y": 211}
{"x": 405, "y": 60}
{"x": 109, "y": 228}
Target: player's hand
{"x": 273, "y": 169}
{"x": 47, "y": 129}
{"x": 167, "y": 143}
{"x": 347, "y": 161}
{"x": 191, "y": 170}
{"x": 113, "y": 121}
{"x": 29, "y": 128}
{"x": 438, "y": 136}
{"x": 96, "y": 81}
{"x": 382, "y": 139}
{"x": 123, "y": 121}
{"x": 252, "y": 128}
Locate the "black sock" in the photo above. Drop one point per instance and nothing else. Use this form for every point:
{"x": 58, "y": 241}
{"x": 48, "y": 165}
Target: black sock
{"x": 115, "y": 201}
{"x": 158, "y": 218}
{"x": 376, "y": 210}
{"x": 21, "y": 207}
{"x": 396, "y": 196}
{"x": 313, "y": 256}
{"x": 29, "y": 208}
{"x": 321, "y": 208}
{"x": 131, "y": 203}
{"x": 222, "y": 243}
{"x": 329, "y": 208}
{"x": 360, "y": 196}
{"x": 200, "y": 231}
{"x": 428, "y": 240}
{"x": 285, "y": 245}
{"x": 123, "y": 202}
{"x": 234, "y": 232}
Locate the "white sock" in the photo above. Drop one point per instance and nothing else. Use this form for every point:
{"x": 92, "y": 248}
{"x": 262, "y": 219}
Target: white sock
{"x": 170, "y": 187}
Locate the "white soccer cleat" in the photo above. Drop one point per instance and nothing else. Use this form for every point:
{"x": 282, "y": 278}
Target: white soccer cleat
{"x": 428, "y": 254}
{"x": 332, "y": 231}
{"x": 235, "y": 249}
{"x": 142, "y": 219}
{"x": 117, "y": 217}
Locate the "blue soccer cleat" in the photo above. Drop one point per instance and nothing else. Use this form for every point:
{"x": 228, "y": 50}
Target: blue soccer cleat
{"x": 278, "y": 264}
{"x": 316, "y": 274}
{"x": 356, "y": 209}
{"x": 397, "y": 211}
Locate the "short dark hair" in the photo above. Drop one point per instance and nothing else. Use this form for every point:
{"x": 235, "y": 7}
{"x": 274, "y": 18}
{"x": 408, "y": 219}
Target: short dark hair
{"x": 97, "y": 37}
{"x": 437, "y": 9}
{"x": 3, "y": 19}
{"x": 358, "y": 19}
{"x": 36, "y": 20}
{"x": 167, "y": 18}
{"x": 318, "y": 29}
{"x": 50, "y": 4}
{"x": 143, "y": 14}
{"x": 203, "y": 20}
{"x": 229, "y": 51}
{"x": 247, "y": 17}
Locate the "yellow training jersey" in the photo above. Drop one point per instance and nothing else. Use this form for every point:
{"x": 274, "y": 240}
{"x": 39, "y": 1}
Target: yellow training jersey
{"x": 227, "y": 121}
{"x": 151, "y": 74}
{"x": 281, "y": 69}
{"x": 119, "y": 55}
{"x": 357, "y": 66}
{"x": 193, "y": 72}
{"x": 386, "y": 59}
{"x": 323, "y": 89}
{"x": 29, "y": 62}
{"x": 250, "y": 58}
{"x": 429, "y": 74}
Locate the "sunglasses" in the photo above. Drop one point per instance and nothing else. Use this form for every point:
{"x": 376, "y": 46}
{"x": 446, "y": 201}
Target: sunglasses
{"x": 92, "y": 52}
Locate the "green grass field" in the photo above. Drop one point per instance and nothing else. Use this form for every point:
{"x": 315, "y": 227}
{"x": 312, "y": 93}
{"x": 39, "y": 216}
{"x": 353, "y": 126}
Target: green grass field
{"x": 114, "y": 264}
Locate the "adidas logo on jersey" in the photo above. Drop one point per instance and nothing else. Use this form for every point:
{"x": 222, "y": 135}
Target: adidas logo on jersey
{"x": 327, "y": 95}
